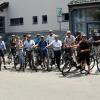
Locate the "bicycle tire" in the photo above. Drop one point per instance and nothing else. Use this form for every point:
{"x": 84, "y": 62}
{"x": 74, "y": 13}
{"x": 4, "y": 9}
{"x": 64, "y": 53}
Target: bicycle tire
{"x": 16, "y": 63}
{"x": 66, "y": 68}
{"x": 10, "y": 58}
{"x": 92, "y": 64}
{"x": 98, "y": 66}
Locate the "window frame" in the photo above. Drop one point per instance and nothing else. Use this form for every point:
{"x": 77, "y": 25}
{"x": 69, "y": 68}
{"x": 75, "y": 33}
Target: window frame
{"x": 43, "y": 19}
{"x": 64, "y": 19}
{"x": 16, "y": 21}
{"x": 36, "y": 19}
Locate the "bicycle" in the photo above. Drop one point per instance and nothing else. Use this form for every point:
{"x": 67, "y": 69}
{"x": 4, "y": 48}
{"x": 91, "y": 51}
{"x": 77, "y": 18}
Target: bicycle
{"x": 96, "y": 55}
{"x": 51, "y": 58}
{"x": 19, "y": 61}
{"x": 70, "y": 65}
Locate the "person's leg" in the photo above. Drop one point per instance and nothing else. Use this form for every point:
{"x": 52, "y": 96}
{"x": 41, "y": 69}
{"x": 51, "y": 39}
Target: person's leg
{"x": 88, "y": 62}
{"x": 3, "y": 57}
{"x": 30, "y": 59}
{"x": 58, "y": 56}
{"x": 21, "y": 57}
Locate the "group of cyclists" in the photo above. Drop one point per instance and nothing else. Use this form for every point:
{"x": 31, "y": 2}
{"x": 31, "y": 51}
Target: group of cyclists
{"x": 50, "y": 47}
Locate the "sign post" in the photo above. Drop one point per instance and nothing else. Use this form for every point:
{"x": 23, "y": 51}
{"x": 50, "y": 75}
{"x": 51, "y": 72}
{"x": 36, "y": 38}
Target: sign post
{"x": 59, "y": 16}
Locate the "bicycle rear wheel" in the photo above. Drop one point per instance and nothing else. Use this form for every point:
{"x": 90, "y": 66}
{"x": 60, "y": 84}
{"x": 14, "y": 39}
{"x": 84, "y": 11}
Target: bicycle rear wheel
{"x": 92, "y": 63}
{"x": 16, "y": 63}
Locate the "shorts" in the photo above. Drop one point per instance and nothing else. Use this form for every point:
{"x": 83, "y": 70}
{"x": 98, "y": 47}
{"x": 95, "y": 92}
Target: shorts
{"x": 43, "y": 53}
{"x": 82, "y": 57}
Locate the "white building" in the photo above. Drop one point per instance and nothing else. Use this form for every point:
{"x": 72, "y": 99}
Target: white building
{"x": 32, "y": 15}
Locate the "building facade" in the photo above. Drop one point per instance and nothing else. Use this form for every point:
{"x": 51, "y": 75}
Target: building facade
{"x": 33, "y": 15}
{"x": 85, "y": 16}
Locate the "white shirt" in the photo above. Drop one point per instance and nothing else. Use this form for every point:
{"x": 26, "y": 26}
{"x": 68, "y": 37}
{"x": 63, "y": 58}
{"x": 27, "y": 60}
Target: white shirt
{"x": 28, "y": 44}
{"x": 56, "y": 45}
{"x": 69, "y": 40}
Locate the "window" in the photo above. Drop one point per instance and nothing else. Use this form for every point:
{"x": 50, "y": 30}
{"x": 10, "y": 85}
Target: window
{"x": 65, "y": 17}
{"x": 44, "y": 19}
{"x": 2, "y": 24}
{"x": 16, "y": 21}
{"x": 35, "y": 20}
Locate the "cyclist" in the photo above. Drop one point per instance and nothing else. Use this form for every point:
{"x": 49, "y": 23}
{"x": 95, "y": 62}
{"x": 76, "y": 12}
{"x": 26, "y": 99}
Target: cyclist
{"x": 50, "y": 38}
{"x": 68, "y": 42}
{"x": 20, "y": 46}
{"x": 2, "y": 50}
{"x": 84, "y": 54}
{"x": 42, "y": 49}
{"x": 13, "y": 45}
{"x": 57, "y": 45}
{"x": 28, "y": 46}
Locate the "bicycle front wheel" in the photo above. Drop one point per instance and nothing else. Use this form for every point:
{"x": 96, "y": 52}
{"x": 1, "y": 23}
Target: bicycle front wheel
{"x": 66, "y": 68}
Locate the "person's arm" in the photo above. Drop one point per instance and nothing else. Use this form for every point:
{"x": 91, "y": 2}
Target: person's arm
{"x": 4, "y": 45}
{"x": 33, "y": 44}
{"x": 97, "y": 41}
{"x": 49, "y": 44}
{"x": 61, "y": 43}
{"x": 85, "y": 50}
{"x": 73, "y": 41}
{"x": 65, "y": 44}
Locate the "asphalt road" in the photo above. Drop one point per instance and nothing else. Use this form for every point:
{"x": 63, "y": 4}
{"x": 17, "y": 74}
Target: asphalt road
{"x": 48, "y": 86}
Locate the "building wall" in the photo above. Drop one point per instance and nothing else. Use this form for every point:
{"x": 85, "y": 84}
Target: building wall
{"x": 29, "y": 8}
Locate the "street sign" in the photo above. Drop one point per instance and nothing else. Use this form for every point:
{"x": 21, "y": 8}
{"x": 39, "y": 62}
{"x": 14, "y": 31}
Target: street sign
{"x": 59, "y": 12}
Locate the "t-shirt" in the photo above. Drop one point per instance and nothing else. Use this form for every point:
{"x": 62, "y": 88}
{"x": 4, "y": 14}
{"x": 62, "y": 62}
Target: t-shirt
{"x": 84, "y": 45}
